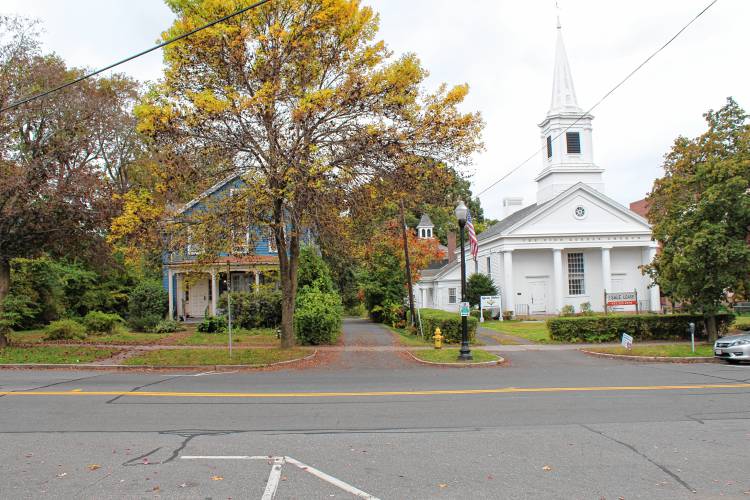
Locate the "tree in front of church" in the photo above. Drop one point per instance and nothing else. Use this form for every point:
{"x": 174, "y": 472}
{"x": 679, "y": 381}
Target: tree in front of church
{"x": 477, "y": 285}
{"x": 700, "y": 214}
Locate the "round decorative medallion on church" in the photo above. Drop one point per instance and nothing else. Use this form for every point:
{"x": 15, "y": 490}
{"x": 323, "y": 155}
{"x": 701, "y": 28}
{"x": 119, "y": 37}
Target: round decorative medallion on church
{"x": 579, "y": 212}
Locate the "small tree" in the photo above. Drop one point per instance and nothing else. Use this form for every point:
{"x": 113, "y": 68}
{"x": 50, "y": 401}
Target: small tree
{"x": 477, "y": 285}
{"x": 700, "y": 213}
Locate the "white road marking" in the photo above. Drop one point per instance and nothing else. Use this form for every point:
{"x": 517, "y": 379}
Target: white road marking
{"x": 278, "y": 462}
{"x": 273, "y": 479}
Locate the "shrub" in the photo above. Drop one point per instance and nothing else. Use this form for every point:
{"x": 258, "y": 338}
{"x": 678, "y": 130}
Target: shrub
{"x": 100, "y": 322}
{"x": 144, "y": 323}
{"x": 254, "y": 310}
{"x": 317, "y": 317}
{"x": 507, "y": 315}
{"x": 586, "y": 309}
{"x": 479, "y": 284}
{"x": 641, "y": 326}
{"x": 449, "y": 324}
{"x": 358, "y": 310}
{"x": 65, "y": 329}
{"x": 213, "y": 324}
{"x": 567, "y": 310}
{"x": 147, "y": 300}
{"x": 487, "y": 313}
{"x": 166, "y": 326}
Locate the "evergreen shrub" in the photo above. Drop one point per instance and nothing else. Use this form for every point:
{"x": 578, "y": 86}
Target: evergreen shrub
{"x": 254, "y": 310}
{"x": 65, "y": 329}
{"x": 147, "y": 306}
{"x": 213, "y": 324}
{"x": 449, "y": 324}
{"x": 317, "y": 317}
{"x": 101, "y": 322}
{"x": 609, "y": 328}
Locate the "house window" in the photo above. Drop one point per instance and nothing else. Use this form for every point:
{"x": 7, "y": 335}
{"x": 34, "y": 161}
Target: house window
{"x": 272, "y": 242}
{"x": 451, "y": 295}
{"x": 549, "y": 146}
{"x": 192, "y": 248}
{"x": 576, "y": 277}
{"x": 489, "y": 267}
{"x": 573, "y": 140}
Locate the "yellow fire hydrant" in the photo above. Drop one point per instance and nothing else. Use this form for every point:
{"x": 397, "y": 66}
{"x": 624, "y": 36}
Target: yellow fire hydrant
{"x": 438, "y": 339}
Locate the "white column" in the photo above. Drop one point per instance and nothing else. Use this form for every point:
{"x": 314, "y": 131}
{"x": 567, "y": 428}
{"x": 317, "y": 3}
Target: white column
{"x": 654, "y": 297}
{"x": 170, "y": 289}
{"x": 606, "y": 269}
{"x": 508, "y": 281}
{"x": 257, "y": 280}
{"x": 558, "y": 284}
{"x": 214, "y": 291}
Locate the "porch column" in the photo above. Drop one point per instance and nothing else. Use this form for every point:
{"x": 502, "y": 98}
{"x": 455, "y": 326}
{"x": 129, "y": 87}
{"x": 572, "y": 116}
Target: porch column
{"x": 654, "y": 295}
{"x": 508, "y": 281}
{"x": 257, "y": 280}
{"x": 170, "y": 289}
{"x": 606, "y": 269}
{"x": 214, "y": 291}
{"x": 558, "y": 283}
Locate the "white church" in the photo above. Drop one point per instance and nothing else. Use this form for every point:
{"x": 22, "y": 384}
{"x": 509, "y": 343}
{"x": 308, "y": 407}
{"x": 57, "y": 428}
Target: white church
{"x": 568, "y": 247}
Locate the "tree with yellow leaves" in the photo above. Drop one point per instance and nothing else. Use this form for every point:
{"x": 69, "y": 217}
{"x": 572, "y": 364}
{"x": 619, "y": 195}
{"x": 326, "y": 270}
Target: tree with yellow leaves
{"x": 300, "y": 99}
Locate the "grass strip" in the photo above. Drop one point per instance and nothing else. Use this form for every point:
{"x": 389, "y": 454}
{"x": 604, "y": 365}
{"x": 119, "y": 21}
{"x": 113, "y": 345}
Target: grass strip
{"x": 536, "y": 331}
{"x": 53, "y": 354}
{"x": 664, "y": 351}
{"x": 195, "y": 357}
{"x": 451, "y": 356}
{"x": 255, "y": 336}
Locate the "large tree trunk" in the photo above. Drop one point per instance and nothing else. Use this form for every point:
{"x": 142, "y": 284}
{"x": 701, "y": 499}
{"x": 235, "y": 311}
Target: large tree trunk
{"x": 288, "y": 261}
{"x": 4, "y": 289}
{"x": 710, "y": 322}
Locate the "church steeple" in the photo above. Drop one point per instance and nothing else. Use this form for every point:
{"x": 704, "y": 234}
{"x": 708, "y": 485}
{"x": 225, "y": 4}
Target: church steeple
{"x": 563, "y": 90}
{"x": 566, "y": 135}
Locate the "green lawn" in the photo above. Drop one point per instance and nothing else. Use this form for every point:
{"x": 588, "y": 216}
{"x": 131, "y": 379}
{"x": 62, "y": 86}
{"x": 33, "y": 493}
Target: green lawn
{"x": 255, "y": 336}
{"x": 408, "y": 339}
{"x": 53, "y": 354}
{"x": 667, "y": 351}
{"x": 451, "y": 356}
{"x": 536, "y": 331}
{"x": 188, "y": 357}
{"x": 741, "y": 323}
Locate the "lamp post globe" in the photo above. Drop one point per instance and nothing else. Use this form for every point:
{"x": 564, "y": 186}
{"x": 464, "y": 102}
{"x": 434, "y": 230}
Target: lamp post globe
{"x": 464, "y": 354}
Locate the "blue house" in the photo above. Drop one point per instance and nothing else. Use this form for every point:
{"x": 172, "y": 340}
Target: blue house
{"x": 246, "y": 269}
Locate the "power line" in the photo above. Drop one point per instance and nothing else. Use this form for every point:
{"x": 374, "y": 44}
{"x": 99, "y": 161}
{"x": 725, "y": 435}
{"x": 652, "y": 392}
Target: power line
{"x": 134, "y": 56}
{"x": 587, "y": 112}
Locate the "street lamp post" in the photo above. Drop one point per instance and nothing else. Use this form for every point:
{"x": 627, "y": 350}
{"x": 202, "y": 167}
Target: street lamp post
{"x": 465, "y": 353}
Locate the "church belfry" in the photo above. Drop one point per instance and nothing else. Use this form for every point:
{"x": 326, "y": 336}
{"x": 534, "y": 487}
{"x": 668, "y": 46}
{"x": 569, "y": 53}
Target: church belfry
{"x": 566, "y": 136}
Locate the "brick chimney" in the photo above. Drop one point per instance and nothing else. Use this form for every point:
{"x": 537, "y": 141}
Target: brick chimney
{"x": 451, "y": 246}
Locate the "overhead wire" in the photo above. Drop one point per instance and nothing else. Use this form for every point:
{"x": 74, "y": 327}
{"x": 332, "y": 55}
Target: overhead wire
{"x": 588, "y": 111}
{"x": 134, "y": 56}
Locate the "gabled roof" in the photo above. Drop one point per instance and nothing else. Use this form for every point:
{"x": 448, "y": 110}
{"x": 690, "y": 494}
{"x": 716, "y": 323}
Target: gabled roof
{"x": 425, "y": 221}
{"x": 516, "y": 218}
{"x": 208, "y": 192}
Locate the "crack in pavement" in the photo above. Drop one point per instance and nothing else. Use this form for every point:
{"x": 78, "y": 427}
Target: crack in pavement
{"x": 136, "y": 389}
{"x": 187, "y": 435}
{"x": 637, "y": 452}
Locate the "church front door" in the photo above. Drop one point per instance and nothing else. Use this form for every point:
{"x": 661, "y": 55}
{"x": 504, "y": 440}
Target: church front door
{"x": 538, "y": 289}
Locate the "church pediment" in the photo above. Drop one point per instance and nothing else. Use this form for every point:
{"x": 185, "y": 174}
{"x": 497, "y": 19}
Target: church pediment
{"x": 580, "y": 210}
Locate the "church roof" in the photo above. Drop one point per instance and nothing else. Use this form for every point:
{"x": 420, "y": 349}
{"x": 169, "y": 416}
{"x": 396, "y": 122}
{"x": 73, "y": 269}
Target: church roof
{"x": 563, "y": 92}
{"x": 425, "y": 221}
{"x": 507, "y": 222}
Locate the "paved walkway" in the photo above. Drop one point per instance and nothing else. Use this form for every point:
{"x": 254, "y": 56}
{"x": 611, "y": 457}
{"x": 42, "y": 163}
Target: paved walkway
{"x": 367, "y": 345}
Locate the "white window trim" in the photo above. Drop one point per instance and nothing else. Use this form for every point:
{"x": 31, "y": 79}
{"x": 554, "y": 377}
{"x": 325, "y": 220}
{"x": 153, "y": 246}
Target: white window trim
{"x": 455, "y": 295}
{"x": 582, "y": 274}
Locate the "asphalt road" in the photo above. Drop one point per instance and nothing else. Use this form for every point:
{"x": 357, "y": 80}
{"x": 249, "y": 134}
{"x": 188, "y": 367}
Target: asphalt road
{"x": 633, "y": 436}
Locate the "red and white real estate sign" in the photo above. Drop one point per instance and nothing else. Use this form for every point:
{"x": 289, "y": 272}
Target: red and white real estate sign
{"x": 621, "y": 299}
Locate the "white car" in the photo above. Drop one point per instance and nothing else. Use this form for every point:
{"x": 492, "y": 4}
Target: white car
{"x": 733, "y": 348}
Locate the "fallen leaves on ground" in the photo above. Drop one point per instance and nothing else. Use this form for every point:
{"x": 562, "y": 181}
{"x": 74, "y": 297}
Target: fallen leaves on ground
{"x": 94, "y": 466}
{"x": 62, "y": 474}
{"x": 217, "y": 478}
{"x": 442, "y": 485}
{"x": 547, "y": 468}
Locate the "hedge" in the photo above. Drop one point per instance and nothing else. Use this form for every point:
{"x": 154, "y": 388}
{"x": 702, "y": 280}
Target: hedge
{"x": 317, "y": 317}
{"x": 609, "y": 328}
{"x": 449, "y": 324}
{"x": 101, "y": 322}
{"x": 254, "y": 310}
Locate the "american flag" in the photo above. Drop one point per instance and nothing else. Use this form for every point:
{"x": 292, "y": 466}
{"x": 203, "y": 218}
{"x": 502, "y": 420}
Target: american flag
{"x": 472, "y": 236}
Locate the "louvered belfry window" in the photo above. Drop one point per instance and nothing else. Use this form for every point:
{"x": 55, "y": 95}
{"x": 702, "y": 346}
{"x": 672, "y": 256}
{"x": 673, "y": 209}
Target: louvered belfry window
{"x": 573, "y": 140}
{"x": 549, "y": 146}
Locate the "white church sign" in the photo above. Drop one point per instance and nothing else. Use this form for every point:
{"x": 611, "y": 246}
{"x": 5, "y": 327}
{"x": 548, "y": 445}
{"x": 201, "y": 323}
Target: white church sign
{"x": 488, "y": 302}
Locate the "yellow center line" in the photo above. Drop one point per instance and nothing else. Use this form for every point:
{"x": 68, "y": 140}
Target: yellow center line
{"x": 502, "y": 390}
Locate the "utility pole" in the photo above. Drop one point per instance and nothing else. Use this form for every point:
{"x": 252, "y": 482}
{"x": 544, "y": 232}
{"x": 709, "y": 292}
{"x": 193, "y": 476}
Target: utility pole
{"x": 408, "y": 266}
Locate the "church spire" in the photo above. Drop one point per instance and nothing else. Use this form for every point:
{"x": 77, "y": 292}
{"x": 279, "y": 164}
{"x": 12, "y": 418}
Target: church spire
{"x": 563, "y": 92}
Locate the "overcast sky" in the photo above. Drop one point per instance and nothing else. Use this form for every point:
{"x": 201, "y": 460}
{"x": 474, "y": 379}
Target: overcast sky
{"x": 505, "y": 51}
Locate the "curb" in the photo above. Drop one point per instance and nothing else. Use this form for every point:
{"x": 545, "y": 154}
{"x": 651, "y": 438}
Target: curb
{"x": 651, "y": 359}
{"x": 500, "y": 361}
{"x": 124, "y": 368}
